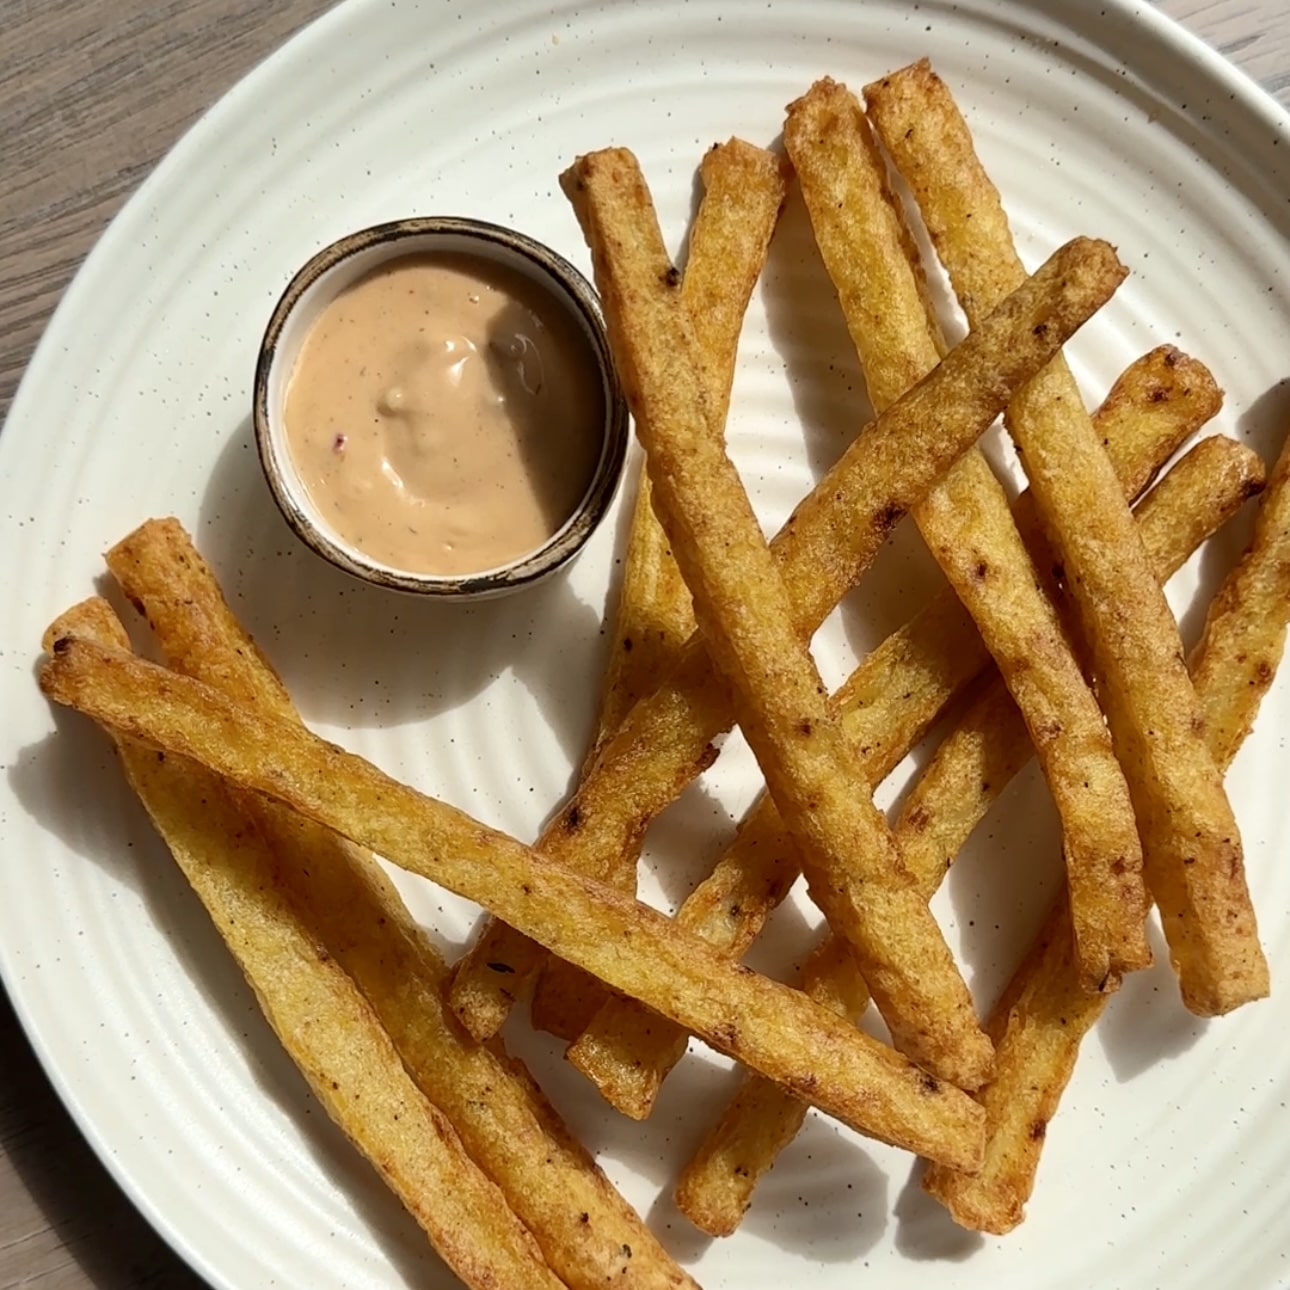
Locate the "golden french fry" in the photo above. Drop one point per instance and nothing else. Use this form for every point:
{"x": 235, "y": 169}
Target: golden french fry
{"x": 744, "y": 189}
{"x": 968, "y": 527}
{"x": 715, "y": 1188}
{"x": 1191, "y": 841}
{"x": 825, "y": 546}
{"x": 971, "y": 767}
{"x": 582, "y": 1225}
{"x": 979, "y": 757}
{"x": 322, "y": 1019}
{"x": 1038, "y": 1026}
{"x": 1040, "y": 1019}
{"x": 1245, "y": 629}
{"x": 888, "y": 703}
{"x": 812, "y": 772}
{"x": 1162, "y": 394}
{"x": 634, "y": 948}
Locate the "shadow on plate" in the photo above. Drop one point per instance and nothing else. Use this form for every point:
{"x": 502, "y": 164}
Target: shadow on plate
{"x": 808, "y": 331}
{"x": 825, "y": 1198}
{"x": 1263, "y": 426}
{"x": 1145, "y": 1023}
{"x": 684, "y": 843}
{"x": 357, "y": 655}
{"x": 1003, "y": 883}
{"x": 110, "y": 829}
{"x": 924, "y": 1230}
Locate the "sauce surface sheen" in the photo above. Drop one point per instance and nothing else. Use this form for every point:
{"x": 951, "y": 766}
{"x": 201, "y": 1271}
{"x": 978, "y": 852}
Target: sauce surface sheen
{"x": 445, "y": 414}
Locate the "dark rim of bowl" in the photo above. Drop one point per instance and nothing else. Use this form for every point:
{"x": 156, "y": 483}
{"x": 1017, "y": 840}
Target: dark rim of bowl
{"x": 567, "y": 283}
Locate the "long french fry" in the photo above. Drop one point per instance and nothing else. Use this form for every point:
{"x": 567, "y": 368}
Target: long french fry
{"x": 827, "y": 543}
{"x": 887, "y": 704}
{"x": 979, "y": 757}
{"x": 744, "y": 189}
{"x": 1191, "y": 842}
{"x": 972, "y": 766}
{"x": 320, "y": 1016}
{"x": 1040, "y": 1019}
{"x": 812, "y": 771}
{"x": 968, "y": 527}
{"x": 634, "y": 948}
{"x": 587, "y": 1232}
{"x": 1245, "y": 629}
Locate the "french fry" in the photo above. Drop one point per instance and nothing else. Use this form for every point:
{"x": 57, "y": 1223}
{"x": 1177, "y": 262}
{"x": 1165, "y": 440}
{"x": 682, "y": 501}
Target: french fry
{"x": 968, "y": 527}
{"x": 744, "y": 189}
{"x": 1040, "y": 1019}
{"x": 653, "y": 619}
{"x": 812, "y": 771}
{"x": 716, "y": 1186}
{"x": 322, "y": 1019}
{"x": 634, "y": 948}
{"x": 588, "y": 1234}
{"x": 979, "y": 757}
{"x": 989, "y": 746}
{"x": 1191, "y": 842}
{"x": 1245, "y": 629}
{"x": 888, "y": 703}
{"x": 825, "y": 546}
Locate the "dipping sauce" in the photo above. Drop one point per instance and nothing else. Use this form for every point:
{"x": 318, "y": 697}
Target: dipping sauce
{"x": 445, "y": 414}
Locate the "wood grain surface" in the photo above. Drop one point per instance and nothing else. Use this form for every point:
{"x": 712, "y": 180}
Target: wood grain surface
{"x": 92, "y": 94}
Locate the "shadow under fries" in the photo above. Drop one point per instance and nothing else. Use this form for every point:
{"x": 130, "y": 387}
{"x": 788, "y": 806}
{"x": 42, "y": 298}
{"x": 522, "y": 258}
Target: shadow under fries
{"x": 1263, "y": 427}
{"x": 110, "y": 829}
{"x": 356, "y": 655}
{"x": 1145, "y": 1024}
{"x": 790, "y": 933}
{"x": 683, "y": 843}
{"x": 683, "y": 1240}
{"x": 1003, "y": 882}
{"x": 808, "y": 331}
{"x": 824, "y": 1198}
{"x": 925, "y": 1231}
{"x": 654, "y": 1149}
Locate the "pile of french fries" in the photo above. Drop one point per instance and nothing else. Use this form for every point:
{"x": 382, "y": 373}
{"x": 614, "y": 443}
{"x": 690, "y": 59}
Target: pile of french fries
{"x": 1052, "y": 636}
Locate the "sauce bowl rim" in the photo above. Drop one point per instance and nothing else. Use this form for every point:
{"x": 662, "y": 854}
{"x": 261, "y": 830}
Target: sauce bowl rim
{"x": 568, "y": 287}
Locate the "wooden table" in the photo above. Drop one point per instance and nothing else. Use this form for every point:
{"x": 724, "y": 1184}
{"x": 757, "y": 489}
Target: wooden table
{"x": 92, "y": 94}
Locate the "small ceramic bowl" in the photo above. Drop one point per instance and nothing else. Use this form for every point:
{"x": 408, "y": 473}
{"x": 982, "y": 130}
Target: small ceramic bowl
{"x": 343, "y": 263}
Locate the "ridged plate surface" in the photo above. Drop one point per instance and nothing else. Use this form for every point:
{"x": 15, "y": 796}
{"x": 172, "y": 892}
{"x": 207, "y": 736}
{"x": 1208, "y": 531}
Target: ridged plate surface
{"x": 1172, "y": 1145}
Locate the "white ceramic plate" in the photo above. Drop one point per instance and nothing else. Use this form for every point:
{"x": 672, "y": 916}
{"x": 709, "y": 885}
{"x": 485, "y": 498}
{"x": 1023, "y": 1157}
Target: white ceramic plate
{"x": 1172, "y": 1142}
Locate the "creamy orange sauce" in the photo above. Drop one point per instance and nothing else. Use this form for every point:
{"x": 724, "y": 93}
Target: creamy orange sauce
{"x": 445, "y": 414}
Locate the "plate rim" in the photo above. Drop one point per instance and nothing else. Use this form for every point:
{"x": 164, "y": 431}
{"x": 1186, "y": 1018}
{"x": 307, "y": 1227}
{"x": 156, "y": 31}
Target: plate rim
{"x": 1164, "y": 35}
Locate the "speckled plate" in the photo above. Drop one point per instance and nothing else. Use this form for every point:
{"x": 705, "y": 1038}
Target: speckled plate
{"x": 1172, "y": 1142}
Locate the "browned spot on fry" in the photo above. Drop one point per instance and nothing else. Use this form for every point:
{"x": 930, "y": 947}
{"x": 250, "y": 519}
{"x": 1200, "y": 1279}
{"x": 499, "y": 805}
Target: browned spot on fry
{"x": 887, "y": 519}
{"x": 917, "y": 819}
